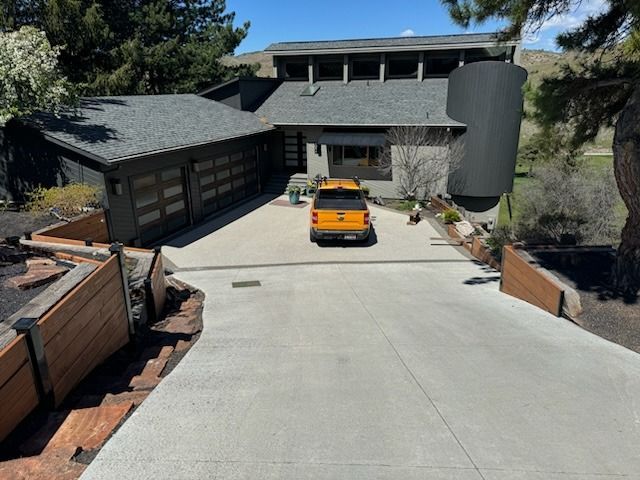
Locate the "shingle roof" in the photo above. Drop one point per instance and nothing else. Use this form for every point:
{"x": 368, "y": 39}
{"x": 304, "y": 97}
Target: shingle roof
{"x": 372, "y": 103}
{"x": 384, "y": 42}
{"x": 114, "y": 128}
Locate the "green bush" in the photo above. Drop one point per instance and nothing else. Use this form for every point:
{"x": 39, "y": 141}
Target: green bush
{"x": 450, "y": 215}
{"x": 500, "y": 237}
{"x": 67, "y": 201}
{"x": 365, "y": 190}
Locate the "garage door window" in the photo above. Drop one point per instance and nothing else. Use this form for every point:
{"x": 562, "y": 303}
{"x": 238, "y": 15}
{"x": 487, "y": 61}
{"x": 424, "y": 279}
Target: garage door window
{"x": 161, "y": 204}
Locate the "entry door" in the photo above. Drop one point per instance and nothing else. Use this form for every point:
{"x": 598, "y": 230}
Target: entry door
{"x": 295, "y": 151}
{"x": 160, "y": 203}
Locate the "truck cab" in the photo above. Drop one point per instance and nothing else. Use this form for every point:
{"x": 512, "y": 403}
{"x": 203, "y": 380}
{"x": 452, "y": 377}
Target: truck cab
{"x": 339, "y": 211}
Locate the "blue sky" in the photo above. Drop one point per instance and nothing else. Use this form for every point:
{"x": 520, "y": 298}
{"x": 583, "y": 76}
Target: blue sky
{"x": 288, "y": 20}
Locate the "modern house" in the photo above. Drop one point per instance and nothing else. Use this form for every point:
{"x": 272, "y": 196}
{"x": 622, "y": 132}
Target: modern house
{"x": 332, "y": 103}
{"x": 168, "y": 161}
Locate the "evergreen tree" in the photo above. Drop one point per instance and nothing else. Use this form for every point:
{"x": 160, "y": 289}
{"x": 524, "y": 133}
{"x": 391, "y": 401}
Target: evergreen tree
{"x": 602, "y": 90}
{"x": 114, "y": 47}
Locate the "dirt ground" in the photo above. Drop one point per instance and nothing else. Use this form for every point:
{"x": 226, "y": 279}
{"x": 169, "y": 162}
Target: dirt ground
{"x": 12, "y": 299}
{"x": 604, "y": 312}
{"x": 16, "y": 223}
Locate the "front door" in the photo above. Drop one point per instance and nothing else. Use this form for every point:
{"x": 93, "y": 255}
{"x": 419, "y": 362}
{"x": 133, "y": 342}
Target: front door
{"x": 295, "y": 151}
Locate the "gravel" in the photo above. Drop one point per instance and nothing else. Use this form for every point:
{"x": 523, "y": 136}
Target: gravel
{"x": 16, "y": 223}
{"x": 14, "y": 299}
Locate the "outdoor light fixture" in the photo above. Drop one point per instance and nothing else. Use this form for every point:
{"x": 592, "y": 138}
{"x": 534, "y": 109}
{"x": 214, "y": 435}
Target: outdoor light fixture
{"x": 116, "y": 186}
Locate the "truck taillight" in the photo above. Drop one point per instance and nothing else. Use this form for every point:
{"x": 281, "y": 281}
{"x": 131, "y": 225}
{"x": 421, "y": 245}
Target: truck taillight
{"x": 366, "y": 218}
{"x": 314, "y": 217}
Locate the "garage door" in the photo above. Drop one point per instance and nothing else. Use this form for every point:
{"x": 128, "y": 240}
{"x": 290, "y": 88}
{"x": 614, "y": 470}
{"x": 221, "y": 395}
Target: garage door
{"x": 227, "y": 179}
{"x": 161, "y": 203}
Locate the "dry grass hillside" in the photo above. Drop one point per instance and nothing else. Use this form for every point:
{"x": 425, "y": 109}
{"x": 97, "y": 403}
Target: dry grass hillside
{"x": 539, "y": 63}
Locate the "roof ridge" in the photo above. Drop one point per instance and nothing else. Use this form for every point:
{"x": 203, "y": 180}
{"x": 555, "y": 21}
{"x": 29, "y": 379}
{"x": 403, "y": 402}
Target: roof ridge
{"x": 384, "y": 38}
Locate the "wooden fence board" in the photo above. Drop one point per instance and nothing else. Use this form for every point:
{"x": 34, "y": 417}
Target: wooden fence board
{"x": 76, "y": 329}
{"x": 53, "y": 321}
{"x": 93, "y": 226}
{"x": 523, "y": 280}
{"x": 18, "y": 394}
{"x": 12, "y": 358}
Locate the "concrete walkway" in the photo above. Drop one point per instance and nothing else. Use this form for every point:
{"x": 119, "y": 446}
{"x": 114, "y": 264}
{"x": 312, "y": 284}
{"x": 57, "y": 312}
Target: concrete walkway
{"x": 383, "y": 371}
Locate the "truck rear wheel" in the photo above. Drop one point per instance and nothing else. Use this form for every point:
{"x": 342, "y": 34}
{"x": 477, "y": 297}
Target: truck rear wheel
{"x": 312, "y": 237}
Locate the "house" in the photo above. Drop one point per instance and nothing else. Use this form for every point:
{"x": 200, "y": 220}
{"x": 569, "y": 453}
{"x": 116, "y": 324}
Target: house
{"x": 166, "y": 162}
{"x": 332, "y": 103}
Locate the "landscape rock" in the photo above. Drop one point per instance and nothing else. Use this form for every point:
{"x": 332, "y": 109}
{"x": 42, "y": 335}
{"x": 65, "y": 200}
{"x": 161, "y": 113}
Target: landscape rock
{"x": 36, "y": 276}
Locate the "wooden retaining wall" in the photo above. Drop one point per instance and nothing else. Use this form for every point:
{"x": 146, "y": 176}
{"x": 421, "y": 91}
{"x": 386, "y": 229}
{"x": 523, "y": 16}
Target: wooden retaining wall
{"x": 158, "y": 286}
{"x": 87, "y": 227}
{"x": 18, "y": 390}
{"x": 524, "y": 280}
{"x": 85, "y": 327}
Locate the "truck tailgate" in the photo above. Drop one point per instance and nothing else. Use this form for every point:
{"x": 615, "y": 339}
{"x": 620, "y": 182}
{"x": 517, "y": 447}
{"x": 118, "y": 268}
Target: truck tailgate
{"x": 341, "y": 219}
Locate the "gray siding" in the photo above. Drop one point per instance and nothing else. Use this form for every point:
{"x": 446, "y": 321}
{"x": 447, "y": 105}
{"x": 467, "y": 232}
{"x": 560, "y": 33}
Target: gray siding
{"x": 27, "y": 161}
{"x": 487, "y": 97}
{"x": 122, "y": 210}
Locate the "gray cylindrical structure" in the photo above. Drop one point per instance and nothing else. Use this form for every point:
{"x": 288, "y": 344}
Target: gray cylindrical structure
{"x": 487, "y": 97}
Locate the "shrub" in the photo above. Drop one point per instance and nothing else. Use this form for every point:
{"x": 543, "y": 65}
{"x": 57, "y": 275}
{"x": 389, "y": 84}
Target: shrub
{"x": 563, "y": 202}
{"x": 67, "y": 201}
{"x": 365, "y": 190}
{"x": 500, "y": 237}
{"x": 450, "y": 215}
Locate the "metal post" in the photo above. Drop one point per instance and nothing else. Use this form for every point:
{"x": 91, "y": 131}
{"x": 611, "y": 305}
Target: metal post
{"x": 29, "y": 328}
{"x": 118, "y": 249}
{"x": 88, "y": 242}
{"x": 27, "y": 235}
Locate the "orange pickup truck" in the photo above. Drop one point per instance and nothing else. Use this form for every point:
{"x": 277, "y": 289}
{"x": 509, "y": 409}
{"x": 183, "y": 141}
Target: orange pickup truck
{"x": 339, "y": 211}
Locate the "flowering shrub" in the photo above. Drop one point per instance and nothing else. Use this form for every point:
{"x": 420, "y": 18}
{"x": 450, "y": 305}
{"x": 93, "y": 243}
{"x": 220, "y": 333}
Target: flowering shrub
{"x": 67, "y": 201}
{"x": 29, "y": 76}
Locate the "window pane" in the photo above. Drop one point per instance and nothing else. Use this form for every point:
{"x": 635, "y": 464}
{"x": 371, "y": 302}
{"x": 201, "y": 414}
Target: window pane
{"x": 174, "y": 207}
{"x": 207, "y": 179}
{"x": 144, "y": 199}
{"x": 222, "y": 161}
{"x": 482, "y": 54}
{"x": 224, "y": 188}
{"x": 206, "y": 165}
{"x": 340, "y": 199}
{"x": 403, "y": 66}
{"x": 236, "y": 170}
{"x": 209, "y": 194}
{"x": 149, "y": 217}
{"x": 172, "y": 191}
{"x": 170, "y": 174}
{"x": 222, "y": 174}
{"x": 441, "y": 65}
{"x": 354, "y": 156}
{"x": 236, "y": 156}
{"x": 145, "y": 181}
{"x": 365, "y": 68}
{"x": 328, "y": 70}
{"x": 296, "y": 70}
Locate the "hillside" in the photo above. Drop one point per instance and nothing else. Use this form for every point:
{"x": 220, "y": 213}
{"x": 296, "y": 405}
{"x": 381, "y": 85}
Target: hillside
{"x": 539, "y": 63}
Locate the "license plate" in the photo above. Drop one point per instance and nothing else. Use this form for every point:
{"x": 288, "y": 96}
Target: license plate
{"x": 350, "y": 237}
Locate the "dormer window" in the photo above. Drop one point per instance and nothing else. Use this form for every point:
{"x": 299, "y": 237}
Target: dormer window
{"x": 365, "y": 67}
{"x": 296, "y": 70}
{"x": 402, "y": 66}
{"x": 330, "y": 68}
{"x": 440, "y": 64}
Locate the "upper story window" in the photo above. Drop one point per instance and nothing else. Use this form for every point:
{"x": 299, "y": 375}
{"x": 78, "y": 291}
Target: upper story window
{"x": 483, "y": 54}
{"x": 330, "y": 68}
{"x": 365, "y": 67}
{"x": 297, "y": 69}
{"x": 440, "y": 64}
{"x": 402, "y": 66}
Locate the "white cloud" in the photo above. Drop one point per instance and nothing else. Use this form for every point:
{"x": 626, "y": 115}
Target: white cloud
{"x": 408, "y": 33}
{"x": 559, "y": 23}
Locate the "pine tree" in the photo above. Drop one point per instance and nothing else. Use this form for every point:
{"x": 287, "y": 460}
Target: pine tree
{"x": 602, "y": 90}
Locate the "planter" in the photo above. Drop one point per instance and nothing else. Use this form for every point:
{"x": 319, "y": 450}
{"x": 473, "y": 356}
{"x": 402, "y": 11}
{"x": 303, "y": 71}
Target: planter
{"x": 294, "y": 198}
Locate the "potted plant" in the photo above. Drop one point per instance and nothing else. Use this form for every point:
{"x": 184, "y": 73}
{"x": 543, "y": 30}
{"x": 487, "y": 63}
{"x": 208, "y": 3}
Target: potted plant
{"x": 365, "y": 190}
{"x": 311, "y": 188}
{"x": 294, "y": 194}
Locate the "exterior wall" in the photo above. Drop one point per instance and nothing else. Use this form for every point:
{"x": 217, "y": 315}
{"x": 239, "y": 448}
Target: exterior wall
{"x": 27, "y": 161}
{"x": 487, "y": 97}
{"x": 122, "y": 207}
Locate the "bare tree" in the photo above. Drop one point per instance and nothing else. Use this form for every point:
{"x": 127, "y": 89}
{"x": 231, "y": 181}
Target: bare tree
{"x": 421, "y": 159}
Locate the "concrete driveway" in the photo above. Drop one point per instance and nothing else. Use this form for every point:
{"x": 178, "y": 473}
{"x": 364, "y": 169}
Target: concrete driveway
{"x": 391, "y": 370}
{"x": 260, "y": 233}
